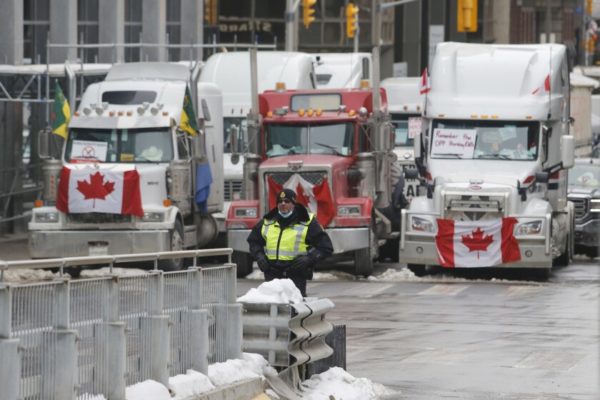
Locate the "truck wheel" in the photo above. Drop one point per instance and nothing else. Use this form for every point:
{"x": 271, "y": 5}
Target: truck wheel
{"x": 591, "y": 252}
{"x": 390, "y": 250}
{"x": 244, "y": 263}
{"x": 363, "y": 262}
{"x": 564, "y": 259}
{"x": 417, "y": 269}
{"x": 175, "y": 264}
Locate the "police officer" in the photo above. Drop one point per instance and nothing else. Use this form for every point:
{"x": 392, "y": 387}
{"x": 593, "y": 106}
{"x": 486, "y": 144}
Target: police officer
{"x": 288, "y": 242}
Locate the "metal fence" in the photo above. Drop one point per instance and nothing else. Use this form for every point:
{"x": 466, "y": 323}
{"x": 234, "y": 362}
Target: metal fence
{"x": 67, "y": 338}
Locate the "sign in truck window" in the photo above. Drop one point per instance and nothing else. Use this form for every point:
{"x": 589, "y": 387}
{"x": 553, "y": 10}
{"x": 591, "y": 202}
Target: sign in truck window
{"x": 414, "y": 126}
{"x": 453, "y": 143}
{"x": 89, "y": 150}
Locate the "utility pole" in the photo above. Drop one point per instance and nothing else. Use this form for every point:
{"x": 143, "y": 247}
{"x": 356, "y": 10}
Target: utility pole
{"x": 290, "y": 24}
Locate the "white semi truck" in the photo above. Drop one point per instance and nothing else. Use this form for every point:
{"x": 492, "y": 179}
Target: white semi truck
{"x": 343, "y": 70}
{"x": 230, "y": 71}
{"x": 405, "y": 105}
{"x": 494, "y": 147}
{"x": 125, "y": 137}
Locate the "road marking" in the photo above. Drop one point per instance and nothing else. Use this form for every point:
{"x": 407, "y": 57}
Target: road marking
{"x": 374, "y": 289}
{"x": 563, "y": 360}
{"x": 520, "y": 290}
{"x": 444, "y": 290}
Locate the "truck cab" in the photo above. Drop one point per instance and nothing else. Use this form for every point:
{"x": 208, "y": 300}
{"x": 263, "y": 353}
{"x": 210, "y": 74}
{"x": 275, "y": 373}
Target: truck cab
{"x": 129, "y": 125}
{"x": 495, "y": 147}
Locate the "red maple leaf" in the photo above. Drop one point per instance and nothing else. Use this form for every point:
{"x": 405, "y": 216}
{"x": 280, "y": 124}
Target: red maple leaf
{"x": 95, "y": 188}
{"x": 476, "y": 241}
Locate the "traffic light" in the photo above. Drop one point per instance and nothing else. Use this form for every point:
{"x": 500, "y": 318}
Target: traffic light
{"x": 466, "y": 20}
{"x": 589, "y": 5}
{"x": 210, "y": 12}
{"x": 308, "y": 12}
{"x": 351, "y": 20}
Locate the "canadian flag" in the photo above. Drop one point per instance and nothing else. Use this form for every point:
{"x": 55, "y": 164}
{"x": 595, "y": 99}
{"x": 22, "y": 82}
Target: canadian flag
{"x": 476, "y": 243}
{"x": 97, "y": 190}
{"x": 316, "y": 197}
{"x": 544, "y": 88}
{"x": 424, "y": 86}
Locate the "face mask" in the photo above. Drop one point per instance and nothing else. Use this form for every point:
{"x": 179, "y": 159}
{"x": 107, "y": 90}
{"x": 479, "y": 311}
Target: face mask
{"x": 287, "y": 214}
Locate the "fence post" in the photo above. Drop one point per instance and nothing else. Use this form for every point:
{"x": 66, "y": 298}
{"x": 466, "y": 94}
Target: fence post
{"x": 198, "y": 329}
{"x": 10, "y": 359}
{"x": 59, "y": 373}
{"x": 156, "y": 331}
{"x": 229, "y": 330}
{"x": 112, "y": 341}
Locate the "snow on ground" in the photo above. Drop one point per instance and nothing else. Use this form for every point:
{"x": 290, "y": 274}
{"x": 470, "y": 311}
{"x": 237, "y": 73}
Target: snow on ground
{"x": 279, "y": 291}
{"x": 105, "y": 271}
{"x": 29, "y": 275}
{"x": 334, "y": 382}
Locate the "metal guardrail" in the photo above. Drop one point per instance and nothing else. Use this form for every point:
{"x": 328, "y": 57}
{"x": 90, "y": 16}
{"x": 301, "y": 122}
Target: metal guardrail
{"x": 68, "y": 338}
{"x": 288, "y": 335}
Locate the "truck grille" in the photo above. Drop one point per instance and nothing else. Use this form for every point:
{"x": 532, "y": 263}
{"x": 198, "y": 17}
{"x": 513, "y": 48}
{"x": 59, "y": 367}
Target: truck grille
{"x": 473, "y": 208}
{"x": 314, "y": 177}
{"x": 581, "y": 206}
{"x": 98, "y": 218}
{"x": 232, "y": 186}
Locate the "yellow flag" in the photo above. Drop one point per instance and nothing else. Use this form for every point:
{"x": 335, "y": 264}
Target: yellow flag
{"x": 61, "y": 113}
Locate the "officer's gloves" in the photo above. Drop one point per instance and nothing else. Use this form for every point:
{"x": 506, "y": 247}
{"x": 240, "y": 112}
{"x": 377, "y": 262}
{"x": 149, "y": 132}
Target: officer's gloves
{"x": 263, "y": 263}
{"x": 301, "y": 265}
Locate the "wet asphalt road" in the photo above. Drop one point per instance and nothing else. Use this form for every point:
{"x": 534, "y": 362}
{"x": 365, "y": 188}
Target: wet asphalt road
{"x": 446, "y": 337}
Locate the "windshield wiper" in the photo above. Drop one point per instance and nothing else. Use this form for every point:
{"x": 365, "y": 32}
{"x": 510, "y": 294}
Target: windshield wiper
{"x": 453, "y": 155}
{"x": 330, "y": 147}
{"x": 495, "y": 156}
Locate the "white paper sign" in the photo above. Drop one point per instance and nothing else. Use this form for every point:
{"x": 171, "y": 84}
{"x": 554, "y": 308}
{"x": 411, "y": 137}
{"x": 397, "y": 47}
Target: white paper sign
{"x": 448, "y": 142}
{"x": 414, "y": 126}
{"x": 89, "y": 150}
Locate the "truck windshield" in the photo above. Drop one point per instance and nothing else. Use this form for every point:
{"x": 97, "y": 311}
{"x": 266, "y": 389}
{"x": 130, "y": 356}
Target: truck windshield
{"x": 335, "y": 139}
{"x": 119, "y": 145}
{"x": 585, "y": 175}
{"x": 485, "y": 140}
{"x": 405, "y": 127}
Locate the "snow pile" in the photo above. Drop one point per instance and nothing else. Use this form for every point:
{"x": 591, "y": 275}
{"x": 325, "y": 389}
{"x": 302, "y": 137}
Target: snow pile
{"x": 147, "y": 390}
{"x": 392, "y": 274}
{"x": 30, "y": 275}
{"x": 105, "y": 271}
{"x": 339, "y": 384}
{"x": 188, "y": 385}
{"x": 278, "y": 291}
{"x": 250, "y": 366}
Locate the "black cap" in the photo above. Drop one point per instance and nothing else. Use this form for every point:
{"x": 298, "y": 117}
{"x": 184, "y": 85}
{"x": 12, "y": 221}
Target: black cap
{"x": 288, "y": 194}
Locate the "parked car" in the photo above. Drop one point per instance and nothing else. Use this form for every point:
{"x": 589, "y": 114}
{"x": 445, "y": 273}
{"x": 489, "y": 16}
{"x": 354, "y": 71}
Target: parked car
{"x": 584, "y": 192}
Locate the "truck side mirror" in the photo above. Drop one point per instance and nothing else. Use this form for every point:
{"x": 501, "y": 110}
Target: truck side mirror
{"x": 567, "y": 151}
{"x": 417, "y": 145}
{"x": 234, "y": 132}
{"x": 542, "y": 177}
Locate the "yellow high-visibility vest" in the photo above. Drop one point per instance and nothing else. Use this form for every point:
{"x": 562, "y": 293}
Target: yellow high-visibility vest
{"x": 292, "y": 243}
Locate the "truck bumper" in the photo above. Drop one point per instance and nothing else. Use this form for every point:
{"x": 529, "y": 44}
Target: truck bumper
{"x": 588, "y": 233}
{"x": 343, "y": 239}
{"x": 51, "y": 244}
{"x": 421, "y": 250}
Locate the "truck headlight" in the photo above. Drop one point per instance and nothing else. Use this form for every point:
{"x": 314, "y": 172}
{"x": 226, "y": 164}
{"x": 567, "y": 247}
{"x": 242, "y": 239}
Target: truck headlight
{"x": 246, "y": 212}
{"x": 153, "y": 216}
{"x": 529, "y": 228}
{"x": 348, "y": 211}
{"x": 595, "y": 205}
{"x": 421, "y": 224}
{"x": 46, "y": 216}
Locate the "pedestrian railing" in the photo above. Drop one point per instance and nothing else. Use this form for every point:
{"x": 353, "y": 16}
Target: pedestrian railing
{"x": 77, "y": 338}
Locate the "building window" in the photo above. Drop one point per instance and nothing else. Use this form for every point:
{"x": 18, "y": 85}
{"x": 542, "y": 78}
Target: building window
{"x": 133, "y": 29}
{"x": 36, "y": 27}
{"x": 87, "y": 29}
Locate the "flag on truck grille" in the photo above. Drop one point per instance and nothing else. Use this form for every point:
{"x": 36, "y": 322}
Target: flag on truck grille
{"x": 188, "y": 117}
{"x": 317, "y": 198}
{"x": 97, "y": 190}
{"x": 61, "y": 112}
{"x": 466, "y": 244}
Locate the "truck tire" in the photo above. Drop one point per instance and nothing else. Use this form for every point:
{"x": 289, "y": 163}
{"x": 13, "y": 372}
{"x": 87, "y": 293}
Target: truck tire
{"x": 243, "y": 262}
{"x": 564, "y": 259}
{"x": 417, "y": 269}
{"x": 363, "y": 262}
{"x": 176, "y": 244}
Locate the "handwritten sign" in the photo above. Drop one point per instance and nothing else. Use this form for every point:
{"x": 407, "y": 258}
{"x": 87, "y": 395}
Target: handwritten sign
{"x": 414, "y": 126}
{"x": 89, "y": 150}
{"x": 459, "y": 142}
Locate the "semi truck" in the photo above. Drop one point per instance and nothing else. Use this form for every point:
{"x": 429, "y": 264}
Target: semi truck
{"x": 342, "y": 70}
{"x": 405, "y": 105}
{"x": 494, "y": 149}
{"x": 334, "y": 148}
{"x": 230, "y": 71}
{"x": 129, "y": 178}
